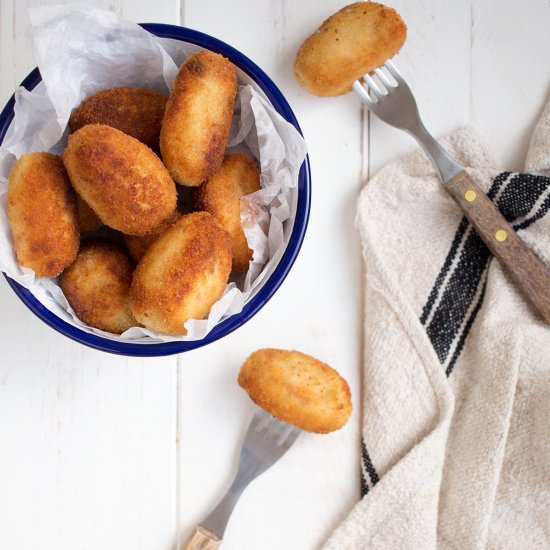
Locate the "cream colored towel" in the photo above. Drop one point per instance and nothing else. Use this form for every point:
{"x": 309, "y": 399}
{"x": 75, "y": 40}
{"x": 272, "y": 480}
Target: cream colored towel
{"x": 456, "y": 426}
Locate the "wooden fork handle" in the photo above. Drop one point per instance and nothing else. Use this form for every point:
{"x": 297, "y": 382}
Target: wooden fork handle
{"x": 527, "y": 271}
{"x": 202, "y": 539}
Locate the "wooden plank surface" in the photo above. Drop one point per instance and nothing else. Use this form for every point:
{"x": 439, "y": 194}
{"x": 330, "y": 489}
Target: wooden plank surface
{"x": 88, "y": 442}
{"x": 88, "y": 438}
{"x": 447, "y": 44}
{"x": 106, "y": 452}
{"x": 483, "y": 63}
{"x": 298, "y": 502}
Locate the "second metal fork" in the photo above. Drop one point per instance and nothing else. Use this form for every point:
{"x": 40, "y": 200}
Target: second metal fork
{"x": 389, "y": 97}
{"x": 267, "y": 439}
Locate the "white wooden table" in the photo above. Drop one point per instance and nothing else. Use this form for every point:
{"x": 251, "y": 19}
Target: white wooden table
{"x": 105, "y": 452}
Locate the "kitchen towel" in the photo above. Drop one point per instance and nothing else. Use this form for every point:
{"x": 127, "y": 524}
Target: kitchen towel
{"x": 456, "y": 400}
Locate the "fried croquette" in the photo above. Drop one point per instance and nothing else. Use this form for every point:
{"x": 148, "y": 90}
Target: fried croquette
{"x": 182, "y": 274}
{"x": 221, "y": 196}
{"x": 42, "y": 213}
{"x": 137, "y": 246}
{"x": 97, "y": 285}
{"x": 120, "y": 178}
{"x": 352, "y": 42}
{"x": 87, "y": 217}
{"x": 297, "y": 388}
{"x": 137, "y": 112}
{"x": 198, "y": 118}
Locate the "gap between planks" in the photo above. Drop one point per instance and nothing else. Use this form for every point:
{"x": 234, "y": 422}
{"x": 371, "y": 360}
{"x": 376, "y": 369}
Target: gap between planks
{"x": 178, "y": 458}
{"x": 364, "y": 177}
{"x": 179, "y": 381}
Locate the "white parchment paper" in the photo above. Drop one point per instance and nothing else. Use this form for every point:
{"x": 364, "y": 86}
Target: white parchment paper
{"x": 80, "y": 51}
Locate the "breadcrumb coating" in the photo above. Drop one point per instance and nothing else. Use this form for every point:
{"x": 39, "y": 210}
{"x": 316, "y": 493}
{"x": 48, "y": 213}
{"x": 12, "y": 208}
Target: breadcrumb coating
{"x": 120, "y": 178}
{"x": 297, "y": 388}
{"x": 42, "y": 213}
{"x": 352, "y": 42}
{"x": 198, "y": 118}
{"x": 97, "y": 286}
{"x": 182, "y": 274}
{"x": 137, "y": 112}
{"x": 221, "y": 196}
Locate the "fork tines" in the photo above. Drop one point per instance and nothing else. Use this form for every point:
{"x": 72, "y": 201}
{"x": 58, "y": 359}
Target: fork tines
{"x": 268, "y": 426}
{"x": 380, "y": 83}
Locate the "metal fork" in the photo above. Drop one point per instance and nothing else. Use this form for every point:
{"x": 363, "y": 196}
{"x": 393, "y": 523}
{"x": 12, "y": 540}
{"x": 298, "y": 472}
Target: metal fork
{"x": 267, "y": 439}
{"x": 389, "y": 97}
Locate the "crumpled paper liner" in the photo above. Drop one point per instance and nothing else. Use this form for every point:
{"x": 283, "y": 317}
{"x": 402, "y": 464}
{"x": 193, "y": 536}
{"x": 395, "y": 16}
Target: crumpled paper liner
{"x": 82, "y": 50}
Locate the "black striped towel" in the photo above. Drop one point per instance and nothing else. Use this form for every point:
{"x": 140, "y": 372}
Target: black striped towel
{"x": 456, "y": 412}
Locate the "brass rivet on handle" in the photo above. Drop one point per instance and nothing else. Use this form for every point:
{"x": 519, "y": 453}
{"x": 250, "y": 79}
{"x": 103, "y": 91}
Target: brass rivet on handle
{"x": 470, "y": 195}
{"x": 501, "y": 235}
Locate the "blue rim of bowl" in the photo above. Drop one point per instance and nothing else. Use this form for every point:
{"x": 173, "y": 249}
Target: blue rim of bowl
{"x": 285, "y": 263}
